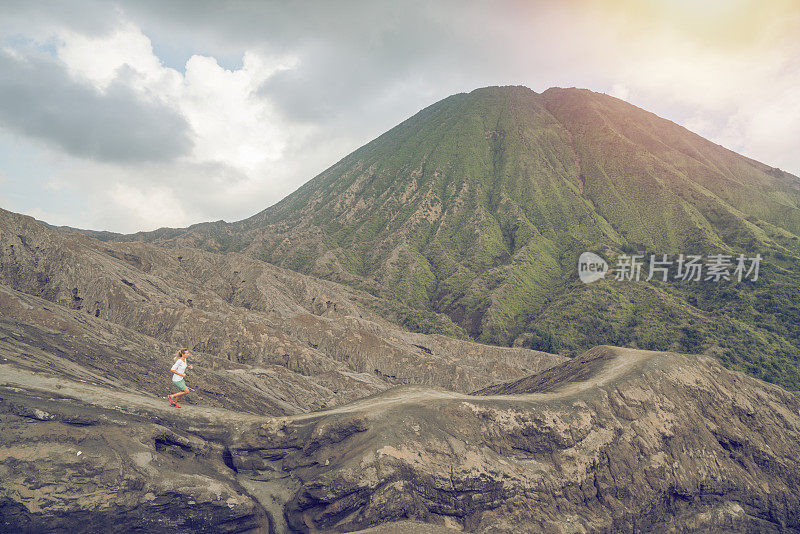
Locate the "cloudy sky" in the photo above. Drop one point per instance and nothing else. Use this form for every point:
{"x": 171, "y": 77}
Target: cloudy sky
{"x": 129, "y": 116}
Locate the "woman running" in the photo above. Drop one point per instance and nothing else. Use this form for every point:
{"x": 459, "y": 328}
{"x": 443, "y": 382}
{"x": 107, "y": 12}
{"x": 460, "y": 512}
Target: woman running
{"x": 178, "y": 374}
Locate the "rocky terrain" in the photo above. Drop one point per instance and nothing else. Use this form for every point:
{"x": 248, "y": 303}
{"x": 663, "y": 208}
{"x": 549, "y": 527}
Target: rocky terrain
{"x": 616, "y": 440}
{"x": 477, "y": 208}
{"x": 348, "y": 433}
{"x": 340, "y": 385}
{"x": 122, "y": 309}
{"x": 313, "y": 413}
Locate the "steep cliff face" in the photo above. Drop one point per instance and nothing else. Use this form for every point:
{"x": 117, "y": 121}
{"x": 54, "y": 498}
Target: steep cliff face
{"x": 634, "y": 441}
{"x": 617, "y": 440}
{"x": 72, "y": 467}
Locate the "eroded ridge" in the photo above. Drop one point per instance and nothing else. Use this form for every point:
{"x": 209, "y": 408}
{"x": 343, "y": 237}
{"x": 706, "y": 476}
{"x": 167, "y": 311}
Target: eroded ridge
{"x": 615, "y": 440}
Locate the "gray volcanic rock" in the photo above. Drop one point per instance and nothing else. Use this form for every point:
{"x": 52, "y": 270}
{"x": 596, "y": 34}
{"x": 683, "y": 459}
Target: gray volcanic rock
{"x": 66, "y": 344}
{"x": 72, "y": 467}
{"x": 643, "y": 441}
{"x": 242, "y": 310}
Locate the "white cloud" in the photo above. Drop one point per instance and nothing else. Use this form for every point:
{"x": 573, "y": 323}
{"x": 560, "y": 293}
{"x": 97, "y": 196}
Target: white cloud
{"x": 314, "y": 84}
{"x": 239, "y": 141}
{"x": 768, "y": 130}
{"x": 101, "y": 59}
{"x": 230, "y": 123}
{"x": 39, "y": 99}
{"x": 741, "y": 93}
{"x": 54, "y": 218}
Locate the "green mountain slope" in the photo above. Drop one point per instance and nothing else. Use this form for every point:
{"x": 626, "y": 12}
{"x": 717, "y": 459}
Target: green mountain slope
{"x": 478, "y": 207}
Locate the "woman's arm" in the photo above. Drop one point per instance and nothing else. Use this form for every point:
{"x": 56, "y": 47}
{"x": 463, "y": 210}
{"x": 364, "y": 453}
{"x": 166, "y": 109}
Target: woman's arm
{"x": 177, "y": 373}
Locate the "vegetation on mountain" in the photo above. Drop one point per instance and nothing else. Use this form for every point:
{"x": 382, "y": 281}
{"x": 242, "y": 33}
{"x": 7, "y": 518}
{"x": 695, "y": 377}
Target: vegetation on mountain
{"x": 477, "y": 208}
{"x": 315, "y": 412}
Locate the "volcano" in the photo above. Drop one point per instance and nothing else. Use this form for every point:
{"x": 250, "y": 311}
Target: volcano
{"x": 347, "y": 343}
{"x": 471, "y": 215}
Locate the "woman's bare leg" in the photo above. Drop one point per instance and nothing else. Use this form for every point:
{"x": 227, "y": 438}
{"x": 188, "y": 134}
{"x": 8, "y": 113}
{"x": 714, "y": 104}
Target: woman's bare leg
{"x": 178, "y": 395}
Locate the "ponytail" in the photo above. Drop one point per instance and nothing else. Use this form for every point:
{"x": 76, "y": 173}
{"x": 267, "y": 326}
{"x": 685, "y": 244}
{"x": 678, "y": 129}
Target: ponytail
{"x": 180, "y": 353}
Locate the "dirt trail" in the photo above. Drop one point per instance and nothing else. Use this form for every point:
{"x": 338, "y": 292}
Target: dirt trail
{"x": 662, "y": 422}
{"x": 622, "y": 363}
{"x": 12, "y": 376}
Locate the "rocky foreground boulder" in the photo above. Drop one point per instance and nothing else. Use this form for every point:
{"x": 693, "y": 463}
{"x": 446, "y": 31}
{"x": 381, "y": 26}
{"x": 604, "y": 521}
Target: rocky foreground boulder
{"x": 615, "y": 440}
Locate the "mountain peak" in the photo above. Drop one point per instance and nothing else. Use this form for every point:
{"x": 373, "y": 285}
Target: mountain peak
{"x": 478, "y": 207}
